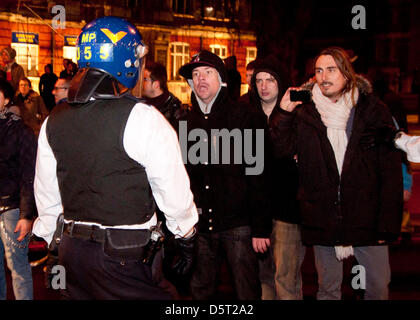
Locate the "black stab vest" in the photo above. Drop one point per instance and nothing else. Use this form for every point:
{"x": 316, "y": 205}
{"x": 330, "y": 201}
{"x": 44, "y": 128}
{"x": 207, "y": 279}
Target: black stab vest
{"x": 98, "y": 181}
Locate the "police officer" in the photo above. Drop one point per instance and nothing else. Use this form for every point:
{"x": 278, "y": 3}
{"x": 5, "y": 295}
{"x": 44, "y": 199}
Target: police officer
{"x": 104, "y": 160}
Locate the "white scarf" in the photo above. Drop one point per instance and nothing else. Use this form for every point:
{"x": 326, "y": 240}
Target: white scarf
{"x": 335, "y": 116}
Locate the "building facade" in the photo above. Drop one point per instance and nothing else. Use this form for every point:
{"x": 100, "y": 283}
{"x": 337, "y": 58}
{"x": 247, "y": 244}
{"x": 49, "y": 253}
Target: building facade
{"x": 44, "y": 32}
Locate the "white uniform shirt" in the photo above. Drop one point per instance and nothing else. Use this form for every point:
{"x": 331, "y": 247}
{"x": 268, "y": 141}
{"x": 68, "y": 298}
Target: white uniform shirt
{"x": 410, "y": 145}
{"x": 151, "y": 141}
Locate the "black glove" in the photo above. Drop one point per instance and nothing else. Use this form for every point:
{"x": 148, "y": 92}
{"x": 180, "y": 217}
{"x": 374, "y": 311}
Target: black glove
{"x": 186, "y": 254}
{"x": 51, "y": 261}
{"x": 372, "y": 138}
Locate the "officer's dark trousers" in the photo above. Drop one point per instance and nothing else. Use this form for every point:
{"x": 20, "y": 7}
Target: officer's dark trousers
{"x": 91, "y": 274}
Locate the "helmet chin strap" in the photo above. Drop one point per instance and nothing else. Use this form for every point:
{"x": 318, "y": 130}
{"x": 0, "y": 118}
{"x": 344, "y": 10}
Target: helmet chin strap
{"x": 94, "y": 83}
{"x": 139, "y": 85}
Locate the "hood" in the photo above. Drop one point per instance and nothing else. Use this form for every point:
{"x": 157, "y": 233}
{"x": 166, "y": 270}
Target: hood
{"x": 209, "y": 59}
{"x": 272, "y": 66}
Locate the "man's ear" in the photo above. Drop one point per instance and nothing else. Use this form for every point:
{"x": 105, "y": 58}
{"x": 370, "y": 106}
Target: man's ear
{"x": 156, "y": 85}
{"x": 6, "y": 101}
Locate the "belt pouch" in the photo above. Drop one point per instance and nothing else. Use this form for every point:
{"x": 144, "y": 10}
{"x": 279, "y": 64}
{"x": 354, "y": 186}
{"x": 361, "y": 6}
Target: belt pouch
{"x": 127, "y": 244}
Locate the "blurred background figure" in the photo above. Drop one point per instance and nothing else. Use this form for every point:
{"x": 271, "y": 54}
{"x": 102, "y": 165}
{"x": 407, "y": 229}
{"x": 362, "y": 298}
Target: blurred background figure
{"x": 70, "y": 69}
{"x": 6, "y": 96}
{"x": 31, "y": 106}
{"x": 381, "y": 84}
{"x": 7, "y": 104}
{"x": 382, "y": 88}
{"x": 233, "y": 78}
{"x": 13, "y": 71}
{"x": 250, "y": 67}
{"x": 46, "y": 86}
{"x": 61, "y": 89}
{"x": 17, "y": 203}
{"x": 155, "y": 92}
{"x": 64, "y": 73}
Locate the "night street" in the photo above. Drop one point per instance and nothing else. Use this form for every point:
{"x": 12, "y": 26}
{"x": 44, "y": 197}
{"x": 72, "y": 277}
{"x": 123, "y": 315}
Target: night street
{"x": 231, "y": 132}
{"x": 404, "y": 258}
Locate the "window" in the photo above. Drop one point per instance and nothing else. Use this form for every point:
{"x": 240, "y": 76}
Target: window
{"x": 69, "y": 48}
{"x": 161, "y": 55}
{"x": 251, "y": 54}
{"x": 215, "y": 9}
{"x": 219, "y": 50}
{"x": 180, "y": 55}
{"x": 182, "y": 6}
{"x": 69, "y": 53}
{"x": 27, "y": 57}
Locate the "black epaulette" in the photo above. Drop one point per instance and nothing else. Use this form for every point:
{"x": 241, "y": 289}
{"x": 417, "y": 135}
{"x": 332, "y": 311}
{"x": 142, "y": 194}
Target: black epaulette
{"x": 5, "y": 114}
{"x": 10, "y": 117}
{"x": 14, "y": 116}
{"x": 133, "y": 98}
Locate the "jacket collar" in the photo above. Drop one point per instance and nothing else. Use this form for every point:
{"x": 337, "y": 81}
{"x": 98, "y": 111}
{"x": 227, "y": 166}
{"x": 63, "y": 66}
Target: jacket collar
{"x": 218, "y": 104}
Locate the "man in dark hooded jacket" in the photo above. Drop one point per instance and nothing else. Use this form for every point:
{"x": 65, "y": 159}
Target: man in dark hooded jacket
{"x": 280, "y": 271}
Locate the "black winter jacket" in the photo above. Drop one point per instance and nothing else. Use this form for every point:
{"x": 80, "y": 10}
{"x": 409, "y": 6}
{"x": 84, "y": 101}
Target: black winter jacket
{"x": 169, "y": 106}
{"x": 17, "y": 165}
{"x": 281, "y": 171}
{"x": 362, "y": 206}
{"x": 225, "y": 196}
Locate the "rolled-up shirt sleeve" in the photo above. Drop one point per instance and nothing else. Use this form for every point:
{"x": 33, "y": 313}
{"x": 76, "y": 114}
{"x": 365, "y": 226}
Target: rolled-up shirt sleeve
{"x": 151, "y": 141}
{"x": 47, "y": 193}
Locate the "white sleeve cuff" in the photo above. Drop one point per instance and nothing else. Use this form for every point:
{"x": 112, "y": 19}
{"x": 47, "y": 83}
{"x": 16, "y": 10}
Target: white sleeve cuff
{"x": 410, "y": 145}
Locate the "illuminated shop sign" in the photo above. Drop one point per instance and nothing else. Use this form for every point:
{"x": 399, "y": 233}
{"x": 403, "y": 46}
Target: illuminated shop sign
{"x": 25, "y": 37}
{"x": 70, "y": 40}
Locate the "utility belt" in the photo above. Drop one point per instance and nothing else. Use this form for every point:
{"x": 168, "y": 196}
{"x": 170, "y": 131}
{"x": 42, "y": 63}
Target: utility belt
{"x": 84, "y": 232}
{"x": 8, "y": 203}
{"x": 138, "y": 244}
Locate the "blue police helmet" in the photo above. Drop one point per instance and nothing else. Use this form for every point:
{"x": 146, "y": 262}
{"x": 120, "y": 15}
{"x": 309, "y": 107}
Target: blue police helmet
{"x": 113, "y": 45}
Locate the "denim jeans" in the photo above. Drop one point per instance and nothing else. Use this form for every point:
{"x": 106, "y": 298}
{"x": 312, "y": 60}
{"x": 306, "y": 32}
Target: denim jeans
{"x": 16, "y": 253}
{"x": 374, "y": 259}
{"x": 241, "y": 258}
{"x": 280, "y": 271}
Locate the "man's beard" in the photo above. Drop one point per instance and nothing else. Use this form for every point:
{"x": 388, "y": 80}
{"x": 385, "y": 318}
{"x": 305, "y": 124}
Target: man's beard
{"x": 329, "y": 94}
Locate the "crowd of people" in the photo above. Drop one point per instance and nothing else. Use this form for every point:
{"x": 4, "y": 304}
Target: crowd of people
{"x": 22, "y": 112}
{"x": 32, "y": 107}
{"x": 112, "y": 164}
